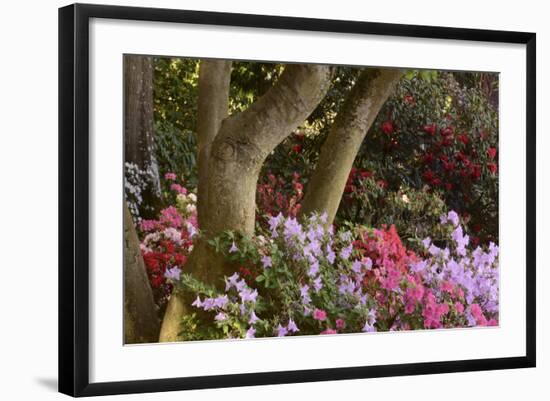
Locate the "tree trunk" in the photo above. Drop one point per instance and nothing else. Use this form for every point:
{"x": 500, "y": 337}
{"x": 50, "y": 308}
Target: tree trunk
{"x": 237, "y": 154}
{"x": 141, "y": 322}
{"x": 359, "y": 111}
{"x": 213, "y": 104}
{"x": 139, "y": 141}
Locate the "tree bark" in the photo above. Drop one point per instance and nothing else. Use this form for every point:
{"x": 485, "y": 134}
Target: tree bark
{"x": 359, "y": 111}
{"x": 141, "y": 322}
{"x": 236, "y": 156}
{"x": 213, "y": 105}
{"x": 139, "y": 140}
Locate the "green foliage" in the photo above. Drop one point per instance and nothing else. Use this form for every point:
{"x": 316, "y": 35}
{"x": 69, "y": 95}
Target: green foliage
{"x": 175, "y": 113}
{"x": 249, "y": 81}
{"x": 415, "y": 213}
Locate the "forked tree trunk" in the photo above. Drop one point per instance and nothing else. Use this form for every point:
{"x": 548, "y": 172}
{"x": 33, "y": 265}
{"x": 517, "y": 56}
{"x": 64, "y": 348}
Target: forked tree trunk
{"x": 358, "y": 112}
{"x": 139, "y": 140}
{"x": 236, "y": 156}
{"x": 141, "y": 322}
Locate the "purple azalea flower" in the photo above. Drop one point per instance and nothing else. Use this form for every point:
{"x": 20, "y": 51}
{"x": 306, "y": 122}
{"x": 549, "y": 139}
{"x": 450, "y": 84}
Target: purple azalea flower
{"x": 356, "y": 266}
{"x": 231, "y": 281}
{"x": 220, "y": 316}
{"x": 368, "y": 328}
{"x": 313, "y": 268}
{"x": 197, "y": 303}
{"x": 208, "y": 304}
{"x": 251, "y": 332}
{"x": 369, "y": 324}
{"x": 346, "y": 252}
{"x": 460, "y": 239}
{"x": 239, "y": 286}
{"x": 266, "y": 261}
{"x": 274, "y": 221}
{"x": 426, "y": 242}
{"x": 313, "y": 248}
{"x": 346, "y": 285}
{"x": 367, "y": 262}
{"x": 221, "y": 301}
{"x": 173, "y": 274}
{"x": 292, "y": 228}
{"x": 291, "y": 326}
{"x": 345, "y": 236}
{"x": 281, "y": 331}
{"x": 331, "y": 256}
{"x": 317, "y": 284}
{"x": 233, "y": 248}
{"x": 324, "y": 218}
{"x": 253, "y": 318}
{"x": 248, "y": 295}
{"x": 453, "y": 217}
{"x": 304, "y": 293}
{"x": 434, "y": 250}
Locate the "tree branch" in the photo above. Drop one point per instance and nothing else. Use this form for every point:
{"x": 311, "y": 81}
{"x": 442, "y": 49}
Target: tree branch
{"x": 359, "y": 111}
{"x": 213, "y": 103}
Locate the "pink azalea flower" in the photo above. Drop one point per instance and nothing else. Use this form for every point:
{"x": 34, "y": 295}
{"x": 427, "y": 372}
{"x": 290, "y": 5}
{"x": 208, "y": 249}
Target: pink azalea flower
{"x": 320, "y": 315}
{"x": 178, "y": 188}
{"x": 170, "y": 176}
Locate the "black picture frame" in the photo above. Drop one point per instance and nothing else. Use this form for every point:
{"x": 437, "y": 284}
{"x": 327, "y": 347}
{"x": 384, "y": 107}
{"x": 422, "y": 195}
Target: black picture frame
{"x": 74, "y": 198}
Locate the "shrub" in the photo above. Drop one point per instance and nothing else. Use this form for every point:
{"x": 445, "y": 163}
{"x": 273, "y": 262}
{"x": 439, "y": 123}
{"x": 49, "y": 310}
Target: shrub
{"x": 167, "y": 242}
{"x": 368, "y": 201}
{"x": 437, "y": 134}
{"x": 307, "y": 279}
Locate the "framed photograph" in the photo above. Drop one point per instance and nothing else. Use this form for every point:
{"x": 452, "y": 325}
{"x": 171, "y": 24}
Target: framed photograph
{"x": 250, "y": 199}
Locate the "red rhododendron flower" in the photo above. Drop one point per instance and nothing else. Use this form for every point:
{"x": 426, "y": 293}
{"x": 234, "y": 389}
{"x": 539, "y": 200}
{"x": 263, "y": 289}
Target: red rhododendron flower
{"x": 446, "y": 132}
{"x": 387, "y": 127}
{"x": 464, "y": 139}
{"x": 428, "y": 175}
{"x": 409, "y": 99}
{"x": 429, "y": 129}
{"x": 297, "y": 148}
{"x": 492, "y": 167}
{"x": 491, "y": 152}
{"x": 476, "y": 172}
{"x": 428, "y": 158}
{"x": 448, "y": 166}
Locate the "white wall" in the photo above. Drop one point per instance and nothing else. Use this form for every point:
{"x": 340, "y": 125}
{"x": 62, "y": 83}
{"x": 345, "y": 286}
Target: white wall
{"x": 28, "y": 200}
